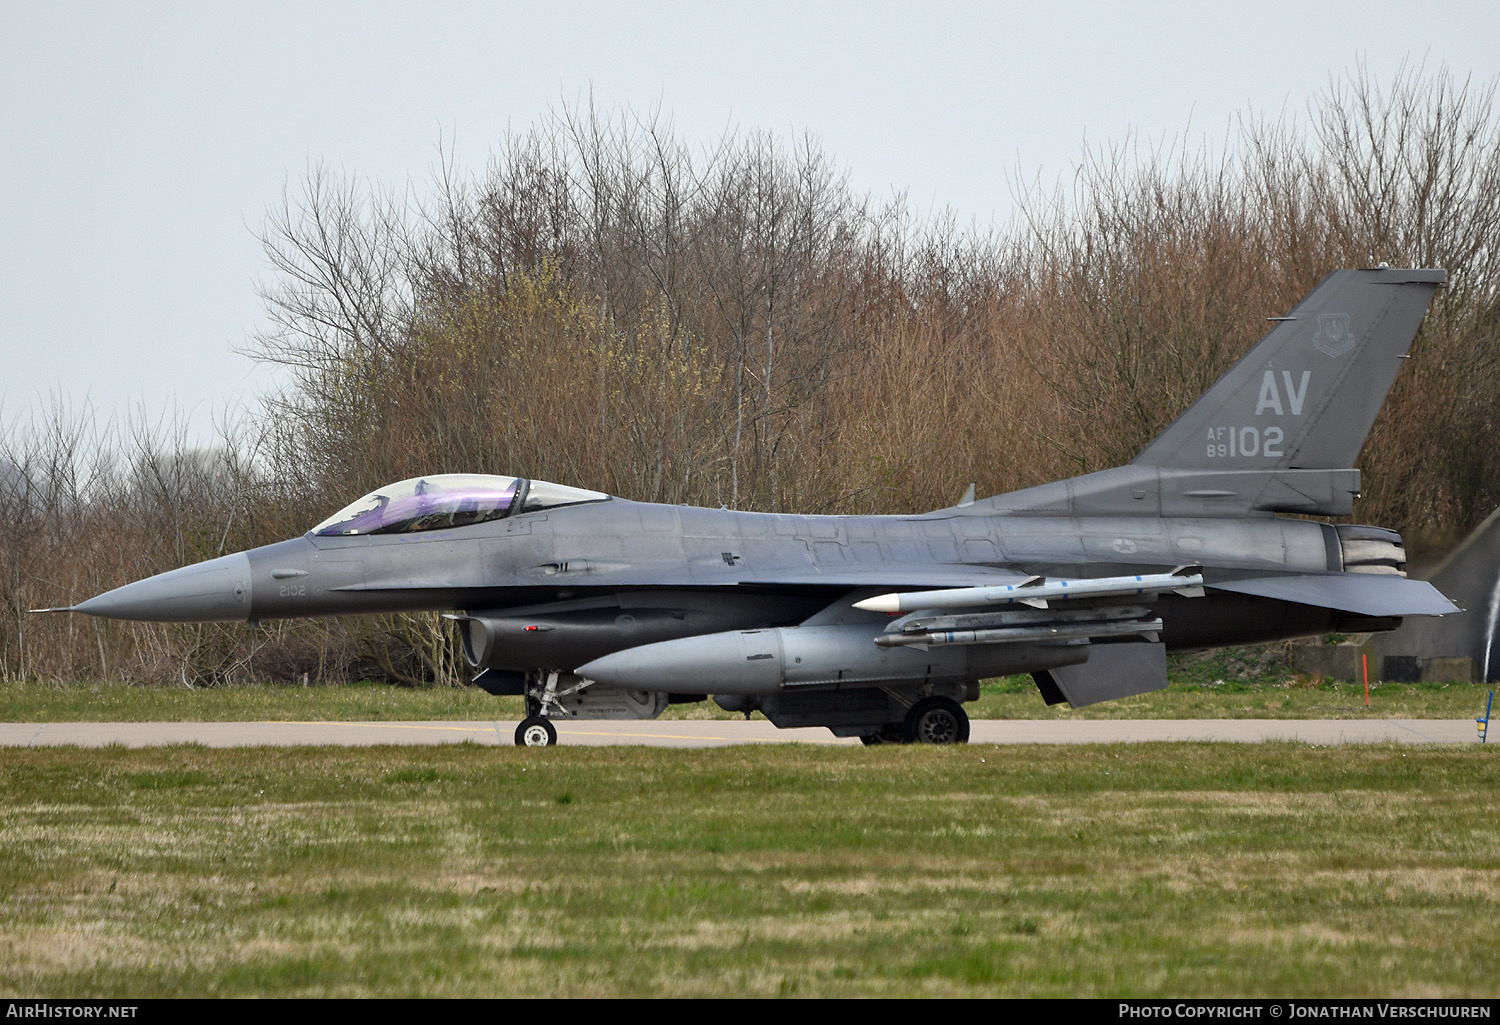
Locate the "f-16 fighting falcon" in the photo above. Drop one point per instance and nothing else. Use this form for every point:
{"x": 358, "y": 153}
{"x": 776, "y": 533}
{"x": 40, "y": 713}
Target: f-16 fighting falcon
{"x": 594, "y": 606}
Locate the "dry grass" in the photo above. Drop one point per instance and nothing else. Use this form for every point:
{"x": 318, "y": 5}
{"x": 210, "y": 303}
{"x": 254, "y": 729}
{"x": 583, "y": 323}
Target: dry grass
{"x": 1157, "y": 870}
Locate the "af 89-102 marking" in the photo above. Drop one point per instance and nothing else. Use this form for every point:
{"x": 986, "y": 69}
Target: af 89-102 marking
{"x": 1234, "y": 442}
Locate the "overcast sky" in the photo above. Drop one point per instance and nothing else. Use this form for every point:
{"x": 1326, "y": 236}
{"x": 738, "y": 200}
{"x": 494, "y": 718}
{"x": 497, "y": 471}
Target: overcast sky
{"x": 144, "y": 141}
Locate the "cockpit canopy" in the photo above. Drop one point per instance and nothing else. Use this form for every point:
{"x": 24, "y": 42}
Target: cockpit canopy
{"x": 448, "y": 500}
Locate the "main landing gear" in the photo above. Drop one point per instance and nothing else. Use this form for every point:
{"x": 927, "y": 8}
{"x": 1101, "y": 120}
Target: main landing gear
{"x": 936, "y": 721}
{"x": 930, "y": 721}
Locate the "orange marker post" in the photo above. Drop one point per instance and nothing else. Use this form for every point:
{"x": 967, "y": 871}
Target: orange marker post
{"x": 1364, "y": 661}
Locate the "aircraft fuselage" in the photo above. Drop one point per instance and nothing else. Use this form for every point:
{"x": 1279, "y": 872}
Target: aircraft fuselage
{"x": 618, "y": 547}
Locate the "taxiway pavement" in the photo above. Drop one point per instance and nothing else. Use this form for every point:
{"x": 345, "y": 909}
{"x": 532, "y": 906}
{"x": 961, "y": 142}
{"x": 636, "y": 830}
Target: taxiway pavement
{"x": 718, "y": 733}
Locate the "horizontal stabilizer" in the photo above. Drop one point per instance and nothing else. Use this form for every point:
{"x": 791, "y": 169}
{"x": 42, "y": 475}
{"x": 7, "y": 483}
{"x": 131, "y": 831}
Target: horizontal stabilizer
{"x": 1366, "y": 594}
{"x": 1112, "y": 671}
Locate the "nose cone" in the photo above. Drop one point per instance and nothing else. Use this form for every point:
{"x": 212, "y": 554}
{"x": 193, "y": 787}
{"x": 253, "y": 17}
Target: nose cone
{"x": 217, "y": 590}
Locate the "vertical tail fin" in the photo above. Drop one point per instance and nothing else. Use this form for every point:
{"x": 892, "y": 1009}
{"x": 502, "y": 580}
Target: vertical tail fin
{"x": 1281, "y": 431}
{"x": 1306, "y": 395}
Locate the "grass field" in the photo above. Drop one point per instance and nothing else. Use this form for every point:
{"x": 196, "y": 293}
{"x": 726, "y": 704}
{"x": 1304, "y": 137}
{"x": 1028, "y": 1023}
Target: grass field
{"x": 1140, "y": 870}
{"x": 1191, "y": 696}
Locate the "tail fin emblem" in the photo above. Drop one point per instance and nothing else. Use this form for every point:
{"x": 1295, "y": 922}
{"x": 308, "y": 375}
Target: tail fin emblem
{"x": 1334, "y": 337}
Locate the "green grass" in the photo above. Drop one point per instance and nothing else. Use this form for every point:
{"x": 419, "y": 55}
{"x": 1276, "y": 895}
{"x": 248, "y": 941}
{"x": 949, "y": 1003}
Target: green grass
{"x": 1016, "y": 698}
{"x": 110, "y": 702}
{"x": 1229, "y": 685}
{"x": 1132, "y": 870}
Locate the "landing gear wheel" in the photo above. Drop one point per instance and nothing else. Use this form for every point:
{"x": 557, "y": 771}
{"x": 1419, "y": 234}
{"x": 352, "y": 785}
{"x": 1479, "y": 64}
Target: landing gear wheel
{"x": 936, "y": 721}
{"x": 535, "y": 731}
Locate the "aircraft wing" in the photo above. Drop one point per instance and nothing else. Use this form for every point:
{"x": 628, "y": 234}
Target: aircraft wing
{"x": 1366, "y": 594}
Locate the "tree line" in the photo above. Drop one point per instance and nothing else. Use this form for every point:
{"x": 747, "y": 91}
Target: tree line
{"x": 612, "y": 306}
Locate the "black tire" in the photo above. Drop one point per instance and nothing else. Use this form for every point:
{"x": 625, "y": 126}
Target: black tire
{"x": 536, "y": 731}
{"x": 936, "y": 721}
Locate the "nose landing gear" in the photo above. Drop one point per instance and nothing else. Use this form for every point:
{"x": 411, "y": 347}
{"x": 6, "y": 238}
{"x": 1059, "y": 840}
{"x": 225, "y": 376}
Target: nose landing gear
{"x": 535, "y": 731}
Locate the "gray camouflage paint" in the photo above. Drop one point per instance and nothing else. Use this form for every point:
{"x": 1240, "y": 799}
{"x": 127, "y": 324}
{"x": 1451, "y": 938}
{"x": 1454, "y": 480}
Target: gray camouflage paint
{"x": 633, "y": 604}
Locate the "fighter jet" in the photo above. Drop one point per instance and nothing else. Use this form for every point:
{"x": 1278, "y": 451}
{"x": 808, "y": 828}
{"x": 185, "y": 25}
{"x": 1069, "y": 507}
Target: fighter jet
{"x": 594, "y": 606}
